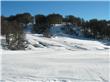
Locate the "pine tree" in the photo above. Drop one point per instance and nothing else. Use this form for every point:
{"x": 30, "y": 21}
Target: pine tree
{"x": 54, "y": 19}
{"x": 24, "y": 18}
{"x": 15, "y": 37}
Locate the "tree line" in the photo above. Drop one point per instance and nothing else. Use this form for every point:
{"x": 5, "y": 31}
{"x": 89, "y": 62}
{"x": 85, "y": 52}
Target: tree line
{"x": 97, "y": 29}
{"x": 12, "y": 27}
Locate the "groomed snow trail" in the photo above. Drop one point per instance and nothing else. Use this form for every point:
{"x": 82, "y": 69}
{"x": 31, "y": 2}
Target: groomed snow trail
{"x": 59, "y": 59}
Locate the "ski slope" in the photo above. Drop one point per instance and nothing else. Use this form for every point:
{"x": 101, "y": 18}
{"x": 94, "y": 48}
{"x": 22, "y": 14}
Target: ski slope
{"x": 57, "y": 59}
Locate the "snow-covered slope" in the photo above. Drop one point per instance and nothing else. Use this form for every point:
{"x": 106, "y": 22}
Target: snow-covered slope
{"x": 62, "y": 29}
{"x": 36, "y": 41}
{"x": 57, "y": 59}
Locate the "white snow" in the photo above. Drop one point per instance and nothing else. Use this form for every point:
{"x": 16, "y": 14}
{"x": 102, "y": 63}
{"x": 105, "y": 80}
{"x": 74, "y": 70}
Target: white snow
{"x": 57, "y": 59}
{"x": 65, "y": 42}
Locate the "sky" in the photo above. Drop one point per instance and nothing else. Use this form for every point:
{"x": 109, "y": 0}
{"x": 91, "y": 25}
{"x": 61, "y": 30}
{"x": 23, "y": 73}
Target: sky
{"x": 84, "y": 9}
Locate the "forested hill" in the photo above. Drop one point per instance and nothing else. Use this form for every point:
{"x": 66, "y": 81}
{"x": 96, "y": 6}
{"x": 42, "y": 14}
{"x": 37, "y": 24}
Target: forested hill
{"x": 51, "y": 25}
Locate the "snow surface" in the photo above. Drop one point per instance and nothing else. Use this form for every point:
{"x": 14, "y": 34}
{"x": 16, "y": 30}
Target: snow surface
{"x": 57, "y": 59}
